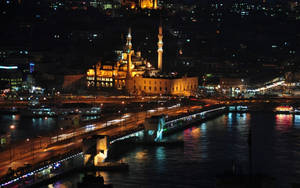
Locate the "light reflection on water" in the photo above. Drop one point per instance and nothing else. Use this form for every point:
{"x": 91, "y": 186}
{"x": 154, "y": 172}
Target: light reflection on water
{"x": 160, "y": 157}
{"x": 297, "y": 121}
{"x": 209, "y": 149}
{"x": 26, "y": 127}
{"x": 284, "y": 122}
{"x": 141, "y": 155}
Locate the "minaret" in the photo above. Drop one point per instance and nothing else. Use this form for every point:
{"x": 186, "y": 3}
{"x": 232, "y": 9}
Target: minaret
{"x": 155, "y": 4}
{"x": 129, "y": 53}
{"x": 128, "y": 42}
{"x": 160, "y": 48}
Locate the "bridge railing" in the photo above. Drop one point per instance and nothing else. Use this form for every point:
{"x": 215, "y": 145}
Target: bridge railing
{"x": 192, "y": 117}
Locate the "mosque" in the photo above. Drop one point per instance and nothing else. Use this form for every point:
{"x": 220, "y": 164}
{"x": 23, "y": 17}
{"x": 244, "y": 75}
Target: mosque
{"x": 144, "y": 4}
{"x": 138, "y": 76}
{"x": 149, "y": 4}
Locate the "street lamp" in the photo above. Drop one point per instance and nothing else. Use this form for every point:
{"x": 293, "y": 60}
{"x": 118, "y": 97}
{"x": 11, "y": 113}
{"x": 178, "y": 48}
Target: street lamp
{"x": 32, "y": 148}
{"x": 40, "y": 138}
{"x": 12, "y": 127}
{"x": 60, "y": 129}
{"x": 120, "y": 116}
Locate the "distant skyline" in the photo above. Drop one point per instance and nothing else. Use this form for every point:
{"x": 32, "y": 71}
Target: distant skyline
{"x": 230, "y": 1}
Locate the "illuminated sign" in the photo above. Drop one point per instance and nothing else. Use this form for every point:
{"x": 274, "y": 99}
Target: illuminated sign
{"x": 31, "y": 67}
{"x": 8, "y": 67}
{"x": 284, "y": 109}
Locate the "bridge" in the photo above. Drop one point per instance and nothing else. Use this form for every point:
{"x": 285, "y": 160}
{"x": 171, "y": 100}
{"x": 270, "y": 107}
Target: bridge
{"x": 67, "y": 146}
{"x": 270, "y": 85}
{"x": 152, "y": 131}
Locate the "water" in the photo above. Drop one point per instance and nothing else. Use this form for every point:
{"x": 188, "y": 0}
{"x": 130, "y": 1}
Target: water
{"x": 26, "y": 127}
{"x": 209, "y": 149}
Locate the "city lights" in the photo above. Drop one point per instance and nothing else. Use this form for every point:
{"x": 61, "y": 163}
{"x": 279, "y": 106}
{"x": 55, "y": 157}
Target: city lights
{"x": 83, "y": 82}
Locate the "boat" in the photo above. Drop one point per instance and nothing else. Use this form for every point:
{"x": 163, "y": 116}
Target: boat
{"x": 71, "y": 120}
{"x": 85, "y": 111}
{"x": 284, "y": 109}
{"x": 79, "y": 108}
{"x": 39, "y": 112}
{"x": 297, "y": 110}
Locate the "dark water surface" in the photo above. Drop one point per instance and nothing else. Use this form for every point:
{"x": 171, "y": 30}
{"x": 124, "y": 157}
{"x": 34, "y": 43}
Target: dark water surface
{"x": 26, "y": 127}
{"x": 209, "y": 149}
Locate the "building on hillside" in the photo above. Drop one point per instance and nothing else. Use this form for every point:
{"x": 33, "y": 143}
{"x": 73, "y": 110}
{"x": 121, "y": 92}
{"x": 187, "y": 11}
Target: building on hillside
{"x": 11, "y": 77}
{"x": 144, "y": 4}
{"x": 114, "y": 74}
{"x": 233, "y": 86}
{"x": 138, "y": 77}
{"x": 163, "y": 85}
{"x": 158, "y": 83}
{"x": 148, "y": 4}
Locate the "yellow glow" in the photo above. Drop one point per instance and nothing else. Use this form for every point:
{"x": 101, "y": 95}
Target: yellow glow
{"x": 148, "y": 4}
{"x": 196, "y": 133}
{"x": 284, "y": 108}
{"x": 90, "y": 72}
{"x": 141, "y": 155}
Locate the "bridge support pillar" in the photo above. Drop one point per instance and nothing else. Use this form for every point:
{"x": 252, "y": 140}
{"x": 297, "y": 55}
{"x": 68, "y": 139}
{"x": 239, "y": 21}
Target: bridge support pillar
{"x": 101, "y": 150}
{"x": 95, "y": 149}
{"x": 154, "y": 127}
{"x": 86, "y": 158}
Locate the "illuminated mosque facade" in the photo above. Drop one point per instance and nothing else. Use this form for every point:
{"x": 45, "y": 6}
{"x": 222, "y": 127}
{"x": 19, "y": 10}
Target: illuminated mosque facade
{"x": 144, "y": 4}
{"x": 138, "y": 76}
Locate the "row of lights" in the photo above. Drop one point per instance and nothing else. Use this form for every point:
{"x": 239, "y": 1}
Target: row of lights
{"x": 36, "y": 171}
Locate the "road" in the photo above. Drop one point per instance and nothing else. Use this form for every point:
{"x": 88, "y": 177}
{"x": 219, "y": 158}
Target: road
{"x": 83, "y": 99}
